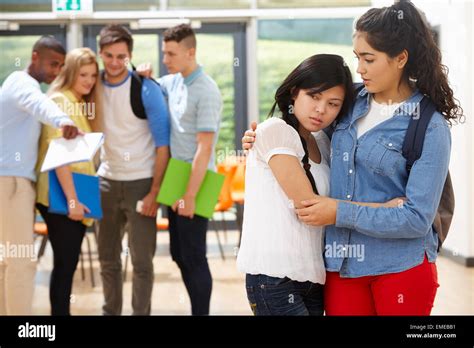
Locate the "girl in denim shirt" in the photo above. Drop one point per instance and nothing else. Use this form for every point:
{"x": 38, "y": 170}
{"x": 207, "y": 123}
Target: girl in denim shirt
{"x": 381, "y": 260}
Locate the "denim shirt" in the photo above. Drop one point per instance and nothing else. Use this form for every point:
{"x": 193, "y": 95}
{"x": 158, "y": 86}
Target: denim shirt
{"x": 373, "y": 241}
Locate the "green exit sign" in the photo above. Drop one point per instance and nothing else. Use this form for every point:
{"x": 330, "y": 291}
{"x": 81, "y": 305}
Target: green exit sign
{"x": 72, "y": 6}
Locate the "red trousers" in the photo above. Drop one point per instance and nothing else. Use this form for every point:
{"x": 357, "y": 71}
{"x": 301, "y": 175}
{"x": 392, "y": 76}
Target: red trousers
{"x": 411, "y": 292}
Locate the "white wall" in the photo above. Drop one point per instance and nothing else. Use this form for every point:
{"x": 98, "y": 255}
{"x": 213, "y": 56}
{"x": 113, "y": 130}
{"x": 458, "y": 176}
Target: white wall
{"x": 456, "y": 42}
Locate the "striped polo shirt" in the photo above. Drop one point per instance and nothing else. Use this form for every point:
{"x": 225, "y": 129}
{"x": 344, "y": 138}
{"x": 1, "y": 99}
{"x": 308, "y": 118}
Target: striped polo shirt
{"x": 195, "y": 105}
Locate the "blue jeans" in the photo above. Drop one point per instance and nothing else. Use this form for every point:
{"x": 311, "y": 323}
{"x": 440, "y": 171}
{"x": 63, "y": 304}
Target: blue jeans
{"x": 283, "y": 296}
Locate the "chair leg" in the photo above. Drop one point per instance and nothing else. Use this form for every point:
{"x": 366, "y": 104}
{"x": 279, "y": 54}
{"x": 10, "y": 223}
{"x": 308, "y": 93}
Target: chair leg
{"x": 81, "y": 257}
{"x": 42, "y": 248}
{"x": 218, "y": 240}
{"x": 239, "y": 216}
{"x": 224, "y": 225}
{"x": 90, "y": 261}
{"x": 96, "y": 233}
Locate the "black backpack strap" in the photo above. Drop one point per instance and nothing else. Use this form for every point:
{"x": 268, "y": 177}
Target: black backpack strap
{"x": 415, "y": 135}
{"x": 136, "y": 94}
{"x": 412, "y": 149}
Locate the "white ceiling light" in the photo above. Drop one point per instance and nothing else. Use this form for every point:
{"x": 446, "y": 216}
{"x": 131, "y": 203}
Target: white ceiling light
{"x": 12, "y": 26}
{"x": 163, "y": 23}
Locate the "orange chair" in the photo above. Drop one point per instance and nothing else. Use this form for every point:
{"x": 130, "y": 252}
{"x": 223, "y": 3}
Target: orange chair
{"x": 225, "y": 201}
{"x": 238, "y": 181}
{"x": 162, "y": 224}
{"x": 238, "y": 190}
{"x": 225, "y": 197}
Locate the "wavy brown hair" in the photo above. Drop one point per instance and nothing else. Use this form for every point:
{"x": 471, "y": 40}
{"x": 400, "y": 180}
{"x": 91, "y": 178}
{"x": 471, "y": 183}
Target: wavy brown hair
{"x": 403, "y": 27}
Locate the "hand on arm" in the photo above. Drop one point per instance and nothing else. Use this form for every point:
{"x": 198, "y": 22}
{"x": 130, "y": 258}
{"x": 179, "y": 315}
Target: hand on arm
{"x": 145, "y": 70}
{"x": 414, "y": 218}
{"x": 322, "y": 211}
{"x": 249, "y": 137}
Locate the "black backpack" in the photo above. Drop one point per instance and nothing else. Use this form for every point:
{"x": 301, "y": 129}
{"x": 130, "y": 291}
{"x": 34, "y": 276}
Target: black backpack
{"x": 412, "y": 149}
{"x": 136, "y": 93}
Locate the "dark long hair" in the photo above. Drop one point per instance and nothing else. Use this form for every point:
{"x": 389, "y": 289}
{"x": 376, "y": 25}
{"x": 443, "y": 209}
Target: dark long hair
{"x": 402, "y": 27}
{"x": 317, "y": 74}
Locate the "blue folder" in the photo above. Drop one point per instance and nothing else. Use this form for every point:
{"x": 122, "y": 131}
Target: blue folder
{"x": 87, "y": 190}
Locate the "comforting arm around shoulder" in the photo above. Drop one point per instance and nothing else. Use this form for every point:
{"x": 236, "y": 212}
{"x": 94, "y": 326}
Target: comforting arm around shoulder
{"x": 279, "y": 145}
{"x": 157, "y": 112}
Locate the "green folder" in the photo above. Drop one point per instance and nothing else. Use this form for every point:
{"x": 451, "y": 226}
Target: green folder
{"x": 175, "y": 183}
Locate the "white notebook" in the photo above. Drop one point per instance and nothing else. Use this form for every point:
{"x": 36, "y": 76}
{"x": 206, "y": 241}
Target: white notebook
{"x": 80, "y": 149}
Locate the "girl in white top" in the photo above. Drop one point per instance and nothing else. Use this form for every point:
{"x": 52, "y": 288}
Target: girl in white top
{"x": 282, "y": 257}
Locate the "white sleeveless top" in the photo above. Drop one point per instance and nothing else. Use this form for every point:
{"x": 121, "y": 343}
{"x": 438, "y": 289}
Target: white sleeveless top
{"x": 274, "y": 242}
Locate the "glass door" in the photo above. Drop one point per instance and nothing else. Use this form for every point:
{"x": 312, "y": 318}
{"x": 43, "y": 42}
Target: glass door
{"x": 221, "y": 52}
